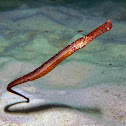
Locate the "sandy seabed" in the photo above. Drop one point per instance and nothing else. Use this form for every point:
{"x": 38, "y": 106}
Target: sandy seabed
{"x": 87, "y": 89}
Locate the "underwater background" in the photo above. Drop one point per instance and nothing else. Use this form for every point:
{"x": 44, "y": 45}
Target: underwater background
{"x": 87, "y": 88}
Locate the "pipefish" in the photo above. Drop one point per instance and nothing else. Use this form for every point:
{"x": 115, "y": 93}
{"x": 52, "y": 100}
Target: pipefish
{"x": 59, "y": 57}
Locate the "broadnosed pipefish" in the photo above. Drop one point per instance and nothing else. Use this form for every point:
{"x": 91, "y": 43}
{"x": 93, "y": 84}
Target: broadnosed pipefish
{"x": 59, "y": 57}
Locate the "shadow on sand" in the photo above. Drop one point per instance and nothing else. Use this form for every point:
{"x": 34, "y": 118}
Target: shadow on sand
{"x": 90, "y": 110}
